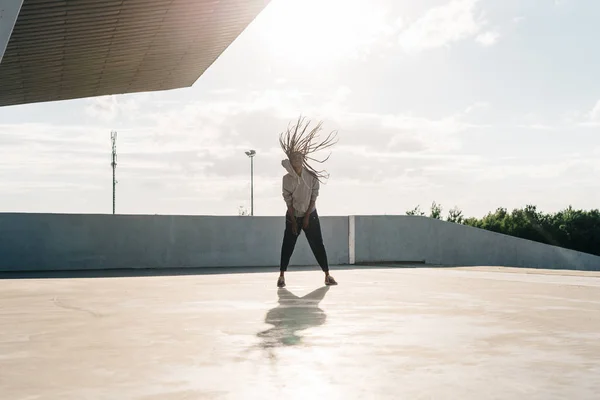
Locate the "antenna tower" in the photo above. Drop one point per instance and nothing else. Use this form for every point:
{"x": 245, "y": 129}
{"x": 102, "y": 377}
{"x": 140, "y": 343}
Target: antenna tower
{"x": 113, "y": 139}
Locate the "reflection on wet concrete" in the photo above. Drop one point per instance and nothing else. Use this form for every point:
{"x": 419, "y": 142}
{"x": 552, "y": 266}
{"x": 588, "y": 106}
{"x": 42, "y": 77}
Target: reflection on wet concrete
{"x": 292, "y": 315}
{"x": 439, "y": 333}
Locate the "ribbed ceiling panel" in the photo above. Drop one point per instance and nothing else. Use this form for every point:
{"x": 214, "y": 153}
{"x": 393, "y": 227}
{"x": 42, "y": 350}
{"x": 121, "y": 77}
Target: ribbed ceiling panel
{"x": 82, "y": 48}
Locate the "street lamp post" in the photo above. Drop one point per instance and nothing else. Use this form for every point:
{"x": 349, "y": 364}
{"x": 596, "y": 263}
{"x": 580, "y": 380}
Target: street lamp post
{"x": 251, "y": 154}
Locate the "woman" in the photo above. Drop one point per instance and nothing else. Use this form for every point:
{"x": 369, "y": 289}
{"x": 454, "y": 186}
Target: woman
{"x": 300, "y": 191}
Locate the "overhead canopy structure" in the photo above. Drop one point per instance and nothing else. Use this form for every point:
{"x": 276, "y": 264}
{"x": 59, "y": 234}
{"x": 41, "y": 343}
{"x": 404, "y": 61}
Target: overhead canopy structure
{"x": 67, "y": 49}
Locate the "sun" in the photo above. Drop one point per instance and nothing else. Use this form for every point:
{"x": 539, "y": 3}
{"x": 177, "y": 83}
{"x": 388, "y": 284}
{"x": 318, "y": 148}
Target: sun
{"x": 312, "y": 32}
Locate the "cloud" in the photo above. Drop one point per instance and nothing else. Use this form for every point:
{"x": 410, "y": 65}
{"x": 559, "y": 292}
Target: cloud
{"x": 588, "y": 119}
{"x": 488, "y": 39}
{"x": 109, "y": 108}
{"x": 53, "y": 168}
{"x": 569, "y": 120}
{"x": 180, "y": 149}
{"x": 443, "y": 25}
{"x": 188, "y": 158}
{"x": 208, "y": 138}
{"x": 539, "y": 127}
{"x": 577, "y": 167}
{"x": 595, "y": 112}
{"x": 477, "y": 106}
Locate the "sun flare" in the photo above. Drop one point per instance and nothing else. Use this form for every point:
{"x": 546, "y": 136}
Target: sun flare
{"x": 311, "y": 32}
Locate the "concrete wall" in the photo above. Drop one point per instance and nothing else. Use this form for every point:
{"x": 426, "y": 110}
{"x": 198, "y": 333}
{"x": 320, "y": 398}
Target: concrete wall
{"x": 408, "y": 238}
{"x": 60, "y": 242}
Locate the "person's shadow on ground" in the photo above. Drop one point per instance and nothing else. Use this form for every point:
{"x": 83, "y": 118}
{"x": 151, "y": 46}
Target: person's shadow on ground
{"x": 293, "y": 314}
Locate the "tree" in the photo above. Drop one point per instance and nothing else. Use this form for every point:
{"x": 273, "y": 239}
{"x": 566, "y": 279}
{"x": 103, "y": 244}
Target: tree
{"x": 243, "y": 211}
{"x": 416, "y": 211}
{"x": 569, "y": 228}
{"x": 455, "y": 215}
{"x": 436, "y": 211}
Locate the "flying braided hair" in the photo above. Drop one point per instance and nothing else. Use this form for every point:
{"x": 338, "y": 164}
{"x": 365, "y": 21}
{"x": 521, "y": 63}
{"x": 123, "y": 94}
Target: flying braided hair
{"x": 299, "y": 139}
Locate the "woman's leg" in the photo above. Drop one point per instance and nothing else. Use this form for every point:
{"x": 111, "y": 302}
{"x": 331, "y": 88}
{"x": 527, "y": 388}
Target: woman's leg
{"x": 315, "y": 240}
{"x": 288, "y": 245}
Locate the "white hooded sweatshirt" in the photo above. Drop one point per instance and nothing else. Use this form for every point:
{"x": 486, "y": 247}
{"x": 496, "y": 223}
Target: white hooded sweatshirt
{"x": 299, "y": 190}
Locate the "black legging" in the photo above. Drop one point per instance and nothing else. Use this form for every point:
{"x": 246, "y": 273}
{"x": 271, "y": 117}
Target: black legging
{"x": 313, "y": 235}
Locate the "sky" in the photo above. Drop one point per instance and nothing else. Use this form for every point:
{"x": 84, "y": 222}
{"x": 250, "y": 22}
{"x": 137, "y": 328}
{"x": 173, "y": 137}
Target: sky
{"x": 475, "y": 104}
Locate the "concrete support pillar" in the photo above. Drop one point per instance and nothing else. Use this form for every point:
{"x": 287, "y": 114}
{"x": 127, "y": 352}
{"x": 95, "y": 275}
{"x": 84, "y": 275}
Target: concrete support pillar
{"x": 351, "y": 240}
{"x": 9, "y": 11}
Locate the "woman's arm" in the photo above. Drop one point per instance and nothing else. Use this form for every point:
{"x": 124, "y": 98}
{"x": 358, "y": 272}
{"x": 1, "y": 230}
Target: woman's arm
{"x": 313, "y": 202}
{"x": 287, "y": 197}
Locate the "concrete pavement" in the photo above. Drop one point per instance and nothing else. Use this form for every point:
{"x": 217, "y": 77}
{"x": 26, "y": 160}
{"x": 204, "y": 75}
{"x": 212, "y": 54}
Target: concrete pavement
{"x": 424, "y": 333}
